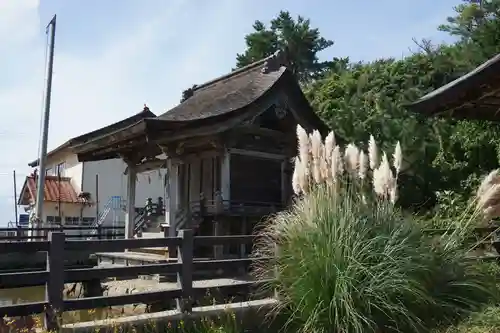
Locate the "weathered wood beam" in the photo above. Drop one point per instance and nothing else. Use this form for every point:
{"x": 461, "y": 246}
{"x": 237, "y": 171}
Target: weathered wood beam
{"x": 149, "y": 165}
{"x": 257, "y": 154}
{"x": 492, "y": 99}
{"x": 253, "y": 129}
{"x": 227, "y": 123}
{"x": 470, "y": 98}
{"x": 480, "y": 112}
{"x": 124, "y": 148}
{"x": 196, "y": 156}
{"x": 194, "y": 132}
{"x": 131, "y": 134}
{"x": 192, "y": 145}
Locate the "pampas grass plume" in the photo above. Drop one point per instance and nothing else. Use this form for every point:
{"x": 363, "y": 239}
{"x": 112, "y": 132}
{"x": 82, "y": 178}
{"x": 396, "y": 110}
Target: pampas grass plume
{"x": 297, "y": 188}
{"x": 317, "y": 155}
{"x": 398, "y": 158}
{"x": 383, "y": 180}
{"x": 304, "y": 145}
{"x": 363, "y": 165}
{"x": 491, "y": 179}
{"x": 336, "y": 164}
{"x": 488, "y": 196}
{"x": 329, "y": 143}
{"x": 351, "y": 157}
{"x": 373, "y": 153}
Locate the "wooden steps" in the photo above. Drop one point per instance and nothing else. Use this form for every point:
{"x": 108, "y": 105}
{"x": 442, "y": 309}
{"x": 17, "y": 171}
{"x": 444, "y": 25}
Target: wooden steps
{"x": 130, "y": 258}
{"x": 160, "y": 251}
{"x": 152, "y": 232}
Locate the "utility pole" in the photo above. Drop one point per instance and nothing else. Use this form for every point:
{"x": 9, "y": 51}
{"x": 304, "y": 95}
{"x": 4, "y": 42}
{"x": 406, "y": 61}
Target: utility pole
{"x": 51, "y": 27}
{"x": 15, "y": 198}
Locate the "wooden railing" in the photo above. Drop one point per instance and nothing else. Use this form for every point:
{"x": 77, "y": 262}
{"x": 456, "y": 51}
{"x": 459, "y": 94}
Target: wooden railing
{"x": 41, "y": 233}
{"x": 55, "y": 276}
{"x": 145, "y": 214}
{"x": 234, "y": 207}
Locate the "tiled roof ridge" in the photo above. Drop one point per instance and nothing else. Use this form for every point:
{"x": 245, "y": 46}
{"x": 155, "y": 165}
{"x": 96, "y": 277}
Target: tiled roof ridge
{"x": 272, "y": 62}
{"x": 55, "y": 189}
{"x": 51, "y": 177}
{"x": 143, "y": 113}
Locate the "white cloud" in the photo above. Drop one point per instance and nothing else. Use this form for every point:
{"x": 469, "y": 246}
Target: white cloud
{"x": 90, "y": 91}
{"x": 13, "y": 13}
{"x": 147, "y": 55}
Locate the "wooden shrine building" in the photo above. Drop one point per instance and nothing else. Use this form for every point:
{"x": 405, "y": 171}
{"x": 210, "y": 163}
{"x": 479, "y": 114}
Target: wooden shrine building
{"x": 476, "y": 95}
{"x": 227, "y": 149}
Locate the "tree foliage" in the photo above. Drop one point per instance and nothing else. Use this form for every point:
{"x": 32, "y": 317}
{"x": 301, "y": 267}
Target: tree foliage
{"x": 296, "y": 37}
{"x": 446, "y": 157}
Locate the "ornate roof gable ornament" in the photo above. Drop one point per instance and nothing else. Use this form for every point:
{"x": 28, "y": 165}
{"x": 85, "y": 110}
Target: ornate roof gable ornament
{"x": 274, "y": 62}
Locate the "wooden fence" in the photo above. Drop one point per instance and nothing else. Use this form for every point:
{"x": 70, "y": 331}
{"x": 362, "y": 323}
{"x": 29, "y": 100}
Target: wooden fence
{"x": 41, "y": 233}
{"x": 56, "y": 275}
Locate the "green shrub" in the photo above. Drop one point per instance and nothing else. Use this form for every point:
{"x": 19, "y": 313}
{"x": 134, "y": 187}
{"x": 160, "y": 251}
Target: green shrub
{"x": 348, "y": 263}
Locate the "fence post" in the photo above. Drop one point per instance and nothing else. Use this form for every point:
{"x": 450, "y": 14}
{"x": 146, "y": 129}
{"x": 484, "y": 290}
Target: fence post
{"x": 185, "y": 275}
{"x": 172, "y": 250}
{"x": 55, "y": 282}
{"x": 19, "y": 232}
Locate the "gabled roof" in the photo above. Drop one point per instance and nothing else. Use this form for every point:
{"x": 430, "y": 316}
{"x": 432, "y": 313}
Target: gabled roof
{"x": 475, "y": 95}
{"x": 229, "y": 92}
{"x": 145, "y": 113}
{"x": 208, "y": 108}
{"x": 56, "y": 190}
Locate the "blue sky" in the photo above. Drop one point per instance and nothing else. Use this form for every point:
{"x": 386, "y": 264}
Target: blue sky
{"x": 111, "y": 59}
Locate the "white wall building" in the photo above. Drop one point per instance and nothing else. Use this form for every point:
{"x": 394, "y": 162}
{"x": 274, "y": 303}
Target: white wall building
{"x": 78, "y": 193}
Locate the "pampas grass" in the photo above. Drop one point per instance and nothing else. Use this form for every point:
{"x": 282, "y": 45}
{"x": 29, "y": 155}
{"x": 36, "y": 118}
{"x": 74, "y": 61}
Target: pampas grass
{"x": 319, "y": 162}
{"x": 346, "y": 260}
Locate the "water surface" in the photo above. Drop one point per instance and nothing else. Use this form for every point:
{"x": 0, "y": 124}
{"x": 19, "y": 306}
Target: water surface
{"x": 37, "y": 294}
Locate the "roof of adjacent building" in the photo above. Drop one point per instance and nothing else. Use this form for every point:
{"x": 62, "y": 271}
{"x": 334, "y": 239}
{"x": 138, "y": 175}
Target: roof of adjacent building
{"x": 57, "y": 189}
{"x": 145, "y": 113}
{"x": 475, "y": 95}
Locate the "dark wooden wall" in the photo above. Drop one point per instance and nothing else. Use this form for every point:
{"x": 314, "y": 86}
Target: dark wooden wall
{"x": 255, "y": 179}
{"x": 249, "y": 140}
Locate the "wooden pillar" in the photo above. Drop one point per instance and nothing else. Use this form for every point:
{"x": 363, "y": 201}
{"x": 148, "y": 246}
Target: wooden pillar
{"x": 284, "y": 187}
{"x": 168, "y": 194}
{"x": 173, "y": 195}
{"x": 226, "y": 177}
{"x": 218, "y": 249}
{"x": 194, "y": 183}
{"x": 243, "y": 247}
{"x": 130, "y": 214}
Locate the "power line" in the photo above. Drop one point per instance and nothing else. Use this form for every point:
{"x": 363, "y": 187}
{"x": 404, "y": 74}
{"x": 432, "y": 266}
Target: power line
{"x": 3, "y": 133}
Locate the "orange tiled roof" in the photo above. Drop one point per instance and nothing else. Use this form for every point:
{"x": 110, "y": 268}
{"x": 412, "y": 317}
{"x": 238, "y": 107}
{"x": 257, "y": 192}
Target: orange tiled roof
{"x": 56, "y": 190}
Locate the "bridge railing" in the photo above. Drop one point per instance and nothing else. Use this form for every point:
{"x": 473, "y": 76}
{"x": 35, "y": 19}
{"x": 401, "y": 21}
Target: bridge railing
{"x": 55, "y": 276}
{"x": 21, "y": 234}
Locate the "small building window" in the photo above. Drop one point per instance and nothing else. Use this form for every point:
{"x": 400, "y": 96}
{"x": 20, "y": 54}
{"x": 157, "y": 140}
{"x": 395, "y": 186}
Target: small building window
{"x": 53, "y": 219}
{"x": 72, "y": 220}
{"x": 88, "y": 220}
{"x": 60, "y": 168}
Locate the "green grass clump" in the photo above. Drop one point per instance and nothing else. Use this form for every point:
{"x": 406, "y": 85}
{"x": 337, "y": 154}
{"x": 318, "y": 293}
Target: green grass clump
{"x": 347, "y": 265}
{"x": 486, "y": 321}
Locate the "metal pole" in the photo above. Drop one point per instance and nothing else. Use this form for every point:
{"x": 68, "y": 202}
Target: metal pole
{"x": 15, "y": 198}
{"x": 96, "y": 197}
{"x": 46, "y": 116}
